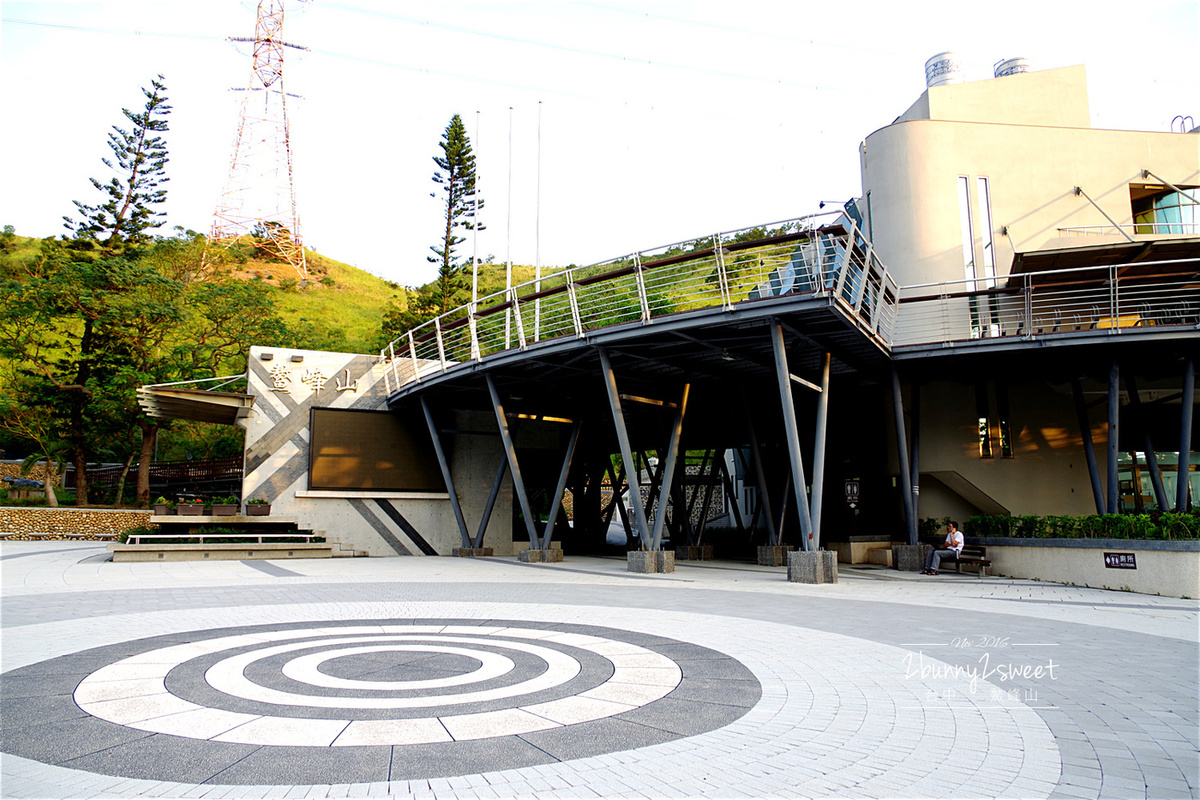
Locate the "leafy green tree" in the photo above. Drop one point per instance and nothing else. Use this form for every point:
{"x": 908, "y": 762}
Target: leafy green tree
{"x": 456, "y": 176}
{"x": 132, "y": 194}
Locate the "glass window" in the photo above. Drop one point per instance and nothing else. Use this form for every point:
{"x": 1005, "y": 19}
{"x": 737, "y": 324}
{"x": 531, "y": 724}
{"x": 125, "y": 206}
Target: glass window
{"x": 968, "y": 238}
{"x": 985, "y": 223}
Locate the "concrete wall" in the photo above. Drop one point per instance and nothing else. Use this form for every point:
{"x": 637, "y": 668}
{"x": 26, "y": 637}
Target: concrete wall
{"x": 1166, "y": 568}
{"x": 911, "y": 169}
{"x": 1047, "y": 473}
{"x": 378, "y": 523}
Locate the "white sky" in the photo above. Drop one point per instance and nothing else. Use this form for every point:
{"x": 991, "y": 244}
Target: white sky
{"x": 660, "y": 121}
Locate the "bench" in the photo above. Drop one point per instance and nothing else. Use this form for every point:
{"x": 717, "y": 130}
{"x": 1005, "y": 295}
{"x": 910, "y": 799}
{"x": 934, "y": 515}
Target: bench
{"x": 972, "y": 555}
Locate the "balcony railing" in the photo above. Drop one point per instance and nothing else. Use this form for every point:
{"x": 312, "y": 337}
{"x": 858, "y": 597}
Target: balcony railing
{"x": 1155, "y": 229}
{"x": 801, "y": 258}
{"x": 1039, "y": 304}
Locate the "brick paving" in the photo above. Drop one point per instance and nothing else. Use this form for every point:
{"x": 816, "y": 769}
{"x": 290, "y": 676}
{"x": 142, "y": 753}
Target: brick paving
{"x": 883, "y": 685}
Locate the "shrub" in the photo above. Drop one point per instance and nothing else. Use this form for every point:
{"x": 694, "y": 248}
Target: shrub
{"x": 1157, "y": 525}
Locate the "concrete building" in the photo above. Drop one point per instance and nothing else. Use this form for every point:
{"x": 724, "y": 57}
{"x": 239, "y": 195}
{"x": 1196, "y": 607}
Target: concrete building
{"x": 1004, "y": 322}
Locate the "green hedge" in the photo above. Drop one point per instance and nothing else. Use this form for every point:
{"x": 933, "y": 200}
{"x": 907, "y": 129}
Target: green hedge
{"x": 1156, "y": 525}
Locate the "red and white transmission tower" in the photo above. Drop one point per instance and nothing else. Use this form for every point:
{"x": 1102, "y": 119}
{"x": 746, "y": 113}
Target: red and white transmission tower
{"x": 260, "y": 197}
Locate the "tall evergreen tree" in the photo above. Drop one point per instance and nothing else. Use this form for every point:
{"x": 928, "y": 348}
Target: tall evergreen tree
{"x": 456, "y": 175}
{"x": 136, "y": 188}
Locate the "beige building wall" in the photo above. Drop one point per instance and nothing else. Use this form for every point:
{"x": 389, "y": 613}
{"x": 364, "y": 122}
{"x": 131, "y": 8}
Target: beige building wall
{"x": 910, "y": 172}
{"x": 1047, "y": 473}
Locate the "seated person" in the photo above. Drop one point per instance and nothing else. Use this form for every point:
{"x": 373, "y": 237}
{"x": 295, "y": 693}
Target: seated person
{"x": 950, "y": 549}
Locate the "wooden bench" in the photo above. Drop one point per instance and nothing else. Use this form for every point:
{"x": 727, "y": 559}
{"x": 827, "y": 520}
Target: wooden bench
{"x": 972, "y": 555}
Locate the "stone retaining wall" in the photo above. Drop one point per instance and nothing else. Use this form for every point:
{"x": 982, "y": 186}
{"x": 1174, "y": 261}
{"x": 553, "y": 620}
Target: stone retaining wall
{"x": 74, "y": 523}
{"x": 12, "y": 469}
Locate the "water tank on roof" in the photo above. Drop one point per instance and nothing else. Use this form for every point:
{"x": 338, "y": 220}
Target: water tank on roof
{"x": 942, "y": 69}
{"x": 1011, "y": 66}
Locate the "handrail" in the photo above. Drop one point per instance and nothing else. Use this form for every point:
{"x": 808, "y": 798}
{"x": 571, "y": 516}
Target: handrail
{"x": 1033, "y": 305}
{"x": 833, "y": 260}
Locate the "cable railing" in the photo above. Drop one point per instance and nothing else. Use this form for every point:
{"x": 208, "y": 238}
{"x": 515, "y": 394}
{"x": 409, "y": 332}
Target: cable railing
{"x": 1184, "y": 227}
{"x": 1071, "y": 301}
{"x": 821, "y": 255}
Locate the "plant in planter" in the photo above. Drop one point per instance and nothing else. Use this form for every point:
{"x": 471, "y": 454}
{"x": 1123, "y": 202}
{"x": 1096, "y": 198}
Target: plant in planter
{"x": 191, "y": 508}
{"x": 258, "y": 507}
{"x": 225, "y": 506}
{"x": 163, "y": 507}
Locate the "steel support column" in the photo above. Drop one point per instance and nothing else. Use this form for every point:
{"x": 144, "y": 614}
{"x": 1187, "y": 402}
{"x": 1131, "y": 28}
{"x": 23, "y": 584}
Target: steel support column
{"x": 1089, "y": 447}
{"x": 510, "y": 451}
{"x": 446, "y": 476}
{"x": 731, "y": 497}
{"x": 760, "y": 477}
{"x": 1139, "y": 414}
{"x": 614, "y": 403}
{"x": 668, "y": 478}
{"x": 910, "y": 513}
{"x": 1114, "y": 409}
{"x": 818, "y": 483}
{"x": 914, "y": 445}
{"x": 561, "y": 487}
{"x": 1185, "y": 435}
{"x": 792, "y": 433}
{"x": 491, "y": 501}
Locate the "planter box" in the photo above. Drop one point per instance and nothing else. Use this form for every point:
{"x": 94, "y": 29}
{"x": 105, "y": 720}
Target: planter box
{"x": 163, "y": 510}
{"x": 191, "y": 509}
{"x": 224, "y": 509}
{"x": 258, "y": 509}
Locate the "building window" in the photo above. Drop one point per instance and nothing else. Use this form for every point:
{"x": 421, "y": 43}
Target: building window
{"x": 981, "y": 418}
{"x": 1158, "y": 210}
{"x": 1005, "y": 423}
{"x": 968, "y": 238}
{"x": 985, "y": 223}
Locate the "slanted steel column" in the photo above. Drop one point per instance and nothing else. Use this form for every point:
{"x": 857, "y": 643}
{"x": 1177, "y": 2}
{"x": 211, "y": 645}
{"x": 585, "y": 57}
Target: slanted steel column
{"x": 818, "y": 484}
{"x": 792, "y": 433}
{"x": 614, "y": 402}
{"x": 1089, "y": 448}
{"x": 510, "y": 451}
{"x": 1185, "y": 435}
{"x": 664, "y": 490}
{"x": 731, "y": 497}
{"x": 914, "y": 445}
{"x": 556, "y": 503}
{"x": 760, "y": 477}
{"x": 491, "y": 501}
{"x": 1114, "y": 409}
{"x": 1139, "y": 414}
{"x": 617, "y": 479}
{"x": 910, "y": 513}
{"x": 710, "y": 486}
{"x": 445, "y": 467}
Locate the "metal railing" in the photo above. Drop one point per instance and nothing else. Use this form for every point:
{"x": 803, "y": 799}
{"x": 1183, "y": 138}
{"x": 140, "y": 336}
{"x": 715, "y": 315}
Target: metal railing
{"x": 799, "y": 257}
{"x": 1155, "y": 229}
{"x": 1037, "y": 304}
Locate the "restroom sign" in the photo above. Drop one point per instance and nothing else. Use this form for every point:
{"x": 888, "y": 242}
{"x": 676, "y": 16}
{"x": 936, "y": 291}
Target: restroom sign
{"x": 1120, "y": 560}
{"x": 852, "y": 489}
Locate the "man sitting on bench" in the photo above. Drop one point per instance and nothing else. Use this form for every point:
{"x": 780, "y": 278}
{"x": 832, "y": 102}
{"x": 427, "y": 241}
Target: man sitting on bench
{"x": 951, "y": 549}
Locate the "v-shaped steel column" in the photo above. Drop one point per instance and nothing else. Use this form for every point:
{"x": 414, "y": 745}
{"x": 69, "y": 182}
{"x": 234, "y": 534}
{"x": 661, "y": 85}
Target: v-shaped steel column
{"x": 446, "y": 477}
{"x": 510, "y": 451}
{"x": 561, "y": 488}
{"x": 799, "y": 482}
{"x": 614, "y": 402}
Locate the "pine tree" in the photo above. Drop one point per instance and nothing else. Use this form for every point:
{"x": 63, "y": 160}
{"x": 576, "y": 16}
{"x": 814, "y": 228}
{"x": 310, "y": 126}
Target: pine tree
{"x": 135, "y": 190}
{"x": 456, "y": 176}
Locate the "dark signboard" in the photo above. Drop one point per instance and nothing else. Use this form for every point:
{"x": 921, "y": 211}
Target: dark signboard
{"x": 1120, "y": 560}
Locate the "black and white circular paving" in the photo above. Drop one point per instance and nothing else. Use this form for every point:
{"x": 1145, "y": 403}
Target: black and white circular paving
{"x": 336, "y": 702}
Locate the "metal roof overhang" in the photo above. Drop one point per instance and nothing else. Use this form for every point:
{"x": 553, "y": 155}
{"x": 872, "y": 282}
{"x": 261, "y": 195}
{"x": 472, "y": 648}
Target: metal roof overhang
{"x": 172, "y": 402}
{"x": 1132, "y": 260}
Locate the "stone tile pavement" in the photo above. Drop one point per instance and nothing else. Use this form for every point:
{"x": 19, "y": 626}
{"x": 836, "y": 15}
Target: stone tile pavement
{"x": 487, "y": 678}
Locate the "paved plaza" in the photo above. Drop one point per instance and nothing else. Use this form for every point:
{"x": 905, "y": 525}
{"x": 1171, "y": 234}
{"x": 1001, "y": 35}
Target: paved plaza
{"x": 488, "y": 678}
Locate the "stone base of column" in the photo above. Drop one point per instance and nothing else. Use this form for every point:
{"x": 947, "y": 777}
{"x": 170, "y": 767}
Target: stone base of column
{"x": 774, "y": 555}
{"x": 471, "y": 552}
{"x": 812, "y": 566}
{"x": 540, "y": 556}
{"x": 910, "y": 557}
{"x": 646, "y": 561}
{"x": 702, "y": 552}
